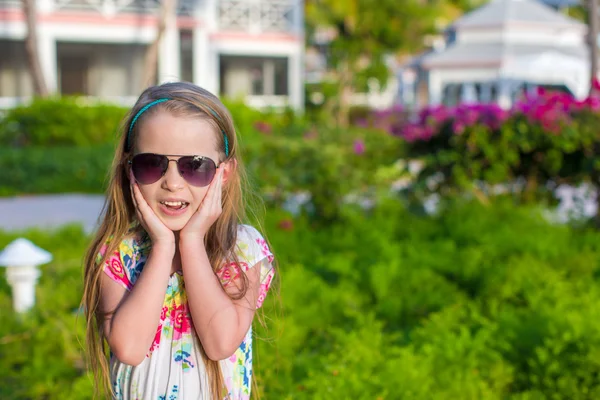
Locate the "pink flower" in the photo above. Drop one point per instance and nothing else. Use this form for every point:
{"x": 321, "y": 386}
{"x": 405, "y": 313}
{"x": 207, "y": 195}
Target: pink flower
{"x": 263, "y": 127}
{"x": 230, "y": 272}
{"x": 181, "y": 321}
{"x": 359, "y": 147}
{"x": 311, "y": 134}
{"x": 286, "y": 224}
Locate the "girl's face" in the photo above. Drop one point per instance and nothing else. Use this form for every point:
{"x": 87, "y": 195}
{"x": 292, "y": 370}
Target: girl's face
{"x": 171, "y": 198}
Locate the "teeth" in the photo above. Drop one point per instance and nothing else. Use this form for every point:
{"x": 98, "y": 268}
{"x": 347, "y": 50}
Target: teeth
{"x": 174, "y": 203}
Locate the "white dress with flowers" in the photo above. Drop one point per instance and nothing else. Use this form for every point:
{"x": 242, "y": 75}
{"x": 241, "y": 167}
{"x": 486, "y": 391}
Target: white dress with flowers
{"x": 173, "y": 368}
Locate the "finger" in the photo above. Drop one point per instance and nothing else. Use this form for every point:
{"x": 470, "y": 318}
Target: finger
{"x": 143, "y": 205}
{"x": 216, "y": 195}
{"x": 133, "y": 199}
{"x": 219, "y": 194}
{"x": 209, "y": 193}
{"x": 135, "y": 203}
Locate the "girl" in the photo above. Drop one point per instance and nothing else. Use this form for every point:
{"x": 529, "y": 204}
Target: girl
{"x": 172, "y": 278}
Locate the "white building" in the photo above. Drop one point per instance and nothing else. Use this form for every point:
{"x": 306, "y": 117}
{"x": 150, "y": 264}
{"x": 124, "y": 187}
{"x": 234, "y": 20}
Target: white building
{"x": 250, "y": 48}
{"x": 499, "y": 51}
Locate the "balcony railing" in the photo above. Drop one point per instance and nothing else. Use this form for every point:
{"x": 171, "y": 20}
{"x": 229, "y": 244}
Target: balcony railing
{"x": 284, "y": 16}
{"x": 106, "y": 7}
{"x": 259, "y": 15}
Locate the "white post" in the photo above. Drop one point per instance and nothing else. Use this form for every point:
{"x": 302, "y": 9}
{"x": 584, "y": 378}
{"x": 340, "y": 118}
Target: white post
{"x": 21, "y": 258}
{"x": 468, "y": 93}
{"x": 504, "y": 99}
{"x": 45, "y": 6}
{"x": 435, "y": 88}
{"x": 48, "y": 57}
{"x": 296, "y": 80}
{"x": 204, "y": 64}
{"x": 486, "y": 93}
{"x": 169, "y": 68}
{"x": 269, "y": 77}
{"x": 200, "y": 54}
{"x": 22, "y": 280}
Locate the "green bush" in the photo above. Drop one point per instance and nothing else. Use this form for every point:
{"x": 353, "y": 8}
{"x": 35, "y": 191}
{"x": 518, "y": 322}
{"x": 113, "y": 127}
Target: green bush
{"x": 36, "y": 170}
{"x": 64, "y": 121}
{"x": 285, "y": 155}
{"x": 475, "y": 303}
{"x": 450, "y": 307}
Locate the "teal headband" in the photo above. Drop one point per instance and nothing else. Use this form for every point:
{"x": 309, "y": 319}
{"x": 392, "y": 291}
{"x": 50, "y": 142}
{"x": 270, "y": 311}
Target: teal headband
{"x": 155, "y": 102}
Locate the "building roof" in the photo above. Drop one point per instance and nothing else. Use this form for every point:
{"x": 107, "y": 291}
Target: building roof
{"x": 491, "y": 54}
{"x": 502, "y": 12}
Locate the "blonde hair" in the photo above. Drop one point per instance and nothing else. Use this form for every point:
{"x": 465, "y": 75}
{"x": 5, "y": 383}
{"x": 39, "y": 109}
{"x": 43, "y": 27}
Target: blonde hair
{"x": 186, "y": 100}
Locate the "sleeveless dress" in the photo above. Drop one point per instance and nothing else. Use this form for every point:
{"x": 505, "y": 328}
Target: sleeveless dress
{"x": 173, "y": 368}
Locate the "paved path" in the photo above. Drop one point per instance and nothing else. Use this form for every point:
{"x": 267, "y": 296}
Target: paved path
{"x": 50, "y": 211}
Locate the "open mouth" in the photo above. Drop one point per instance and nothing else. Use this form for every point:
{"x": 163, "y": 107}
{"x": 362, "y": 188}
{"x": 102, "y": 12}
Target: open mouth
{"x": 175, "y": 205}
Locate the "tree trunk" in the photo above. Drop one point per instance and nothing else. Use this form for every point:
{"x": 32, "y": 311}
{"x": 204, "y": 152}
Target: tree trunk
{"x": 167, "y": 10}
{"x": 31, "y": 49}
{"x": 593, "y": 39}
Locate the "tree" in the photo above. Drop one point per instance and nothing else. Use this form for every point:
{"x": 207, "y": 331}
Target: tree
{"x": 168, "y": 11}
{"x": 31, "y": 48}
{"x": 363, "y": 32}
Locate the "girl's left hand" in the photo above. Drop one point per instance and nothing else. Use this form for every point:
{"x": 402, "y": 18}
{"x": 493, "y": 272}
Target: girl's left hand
{"x": 209, "y": 210}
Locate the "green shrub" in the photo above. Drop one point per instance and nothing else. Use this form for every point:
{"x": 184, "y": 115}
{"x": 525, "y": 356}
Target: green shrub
{"x": 64, "y": 121}
{"x": 475, "y": 303}
{"x": 35, "y": 170}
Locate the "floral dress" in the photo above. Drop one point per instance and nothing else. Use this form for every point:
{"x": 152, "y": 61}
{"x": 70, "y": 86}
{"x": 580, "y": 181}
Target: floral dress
{"x": 173, "y": 368}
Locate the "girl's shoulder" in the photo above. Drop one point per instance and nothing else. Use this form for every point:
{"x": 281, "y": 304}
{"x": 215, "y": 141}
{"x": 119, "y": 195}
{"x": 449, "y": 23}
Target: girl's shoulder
{"x": 135, "y": 241}
{"x": 251, "y": 245}
{"x": 247, "y": 232}
{"x": 127, "y": 260}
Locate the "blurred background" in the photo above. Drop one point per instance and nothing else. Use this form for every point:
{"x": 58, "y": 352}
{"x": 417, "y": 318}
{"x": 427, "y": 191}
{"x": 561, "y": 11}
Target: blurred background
{"x": 430, "y": 172}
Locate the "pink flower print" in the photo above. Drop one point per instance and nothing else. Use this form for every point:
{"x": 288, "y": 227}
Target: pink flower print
{"x": 156, "y": 340}
{"x": 116, "y": 270}
{"x": 261, "y": 297}
{"x": 264, "y": 288}
{"x": 181, "y": 321}
{"x": 230, "y": 272}
{"x": 233, "y": 358}
{"x": 265, "y": 249}
{"x": 163, "y": 313}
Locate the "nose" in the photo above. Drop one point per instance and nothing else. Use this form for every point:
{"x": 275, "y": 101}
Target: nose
{"x": 172, "y": 180}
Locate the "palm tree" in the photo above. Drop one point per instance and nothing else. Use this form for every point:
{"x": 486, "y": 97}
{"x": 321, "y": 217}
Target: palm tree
{"x": 167, "y": 13}
{"x": 31, "y": 48}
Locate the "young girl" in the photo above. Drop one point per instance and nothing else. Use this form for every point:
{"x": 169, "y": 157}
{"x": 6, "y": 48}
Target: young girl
{"x": 172, "y": 278}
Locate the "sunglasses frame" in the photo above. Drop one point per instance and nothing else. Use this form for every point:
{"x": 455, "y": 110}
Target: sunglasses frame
{"x": 167, "y": 156}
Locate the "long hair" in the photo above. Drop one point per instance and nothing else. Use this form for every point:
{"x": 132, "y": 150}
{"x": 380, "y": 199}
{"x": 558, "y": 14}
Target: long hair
{"x": 186, "y": 100}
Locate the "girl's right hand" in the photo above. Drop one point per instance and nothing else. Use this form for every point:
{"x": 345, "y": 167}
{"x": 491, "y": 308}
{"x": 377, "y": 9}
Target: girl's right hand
{"x": 160, "y": 235}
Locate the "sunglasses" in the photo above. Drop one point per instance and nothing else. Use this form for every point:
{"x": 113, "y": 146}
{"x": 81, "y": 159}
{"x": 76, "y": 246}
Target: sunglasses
{"x": 196, "y": 170}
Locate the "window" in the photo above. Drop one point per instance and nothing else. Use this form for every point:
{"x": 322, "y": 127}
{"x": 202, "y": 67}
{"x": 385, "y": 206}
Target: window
{"x": 255, "y": 76}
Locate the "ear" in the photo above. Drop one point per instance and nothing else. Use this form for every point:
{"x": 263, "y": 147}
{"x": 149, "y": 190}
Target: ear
{"x": 229, "y": 168}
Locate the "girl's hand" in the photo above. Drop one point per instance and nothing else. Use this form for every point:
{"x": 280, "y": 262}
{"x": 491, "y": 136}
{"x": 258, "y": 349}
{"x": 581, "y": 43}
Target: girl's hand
{"x": 160, "y": 235}
{"x": 209, "y": 210}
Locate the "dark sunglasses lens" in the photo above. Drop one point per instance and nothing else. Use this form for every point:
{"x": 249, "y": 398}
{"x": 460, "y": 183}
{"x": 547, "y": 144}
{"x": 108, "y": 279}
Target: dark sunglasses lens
{"x": 148, "y": 168}
{"x": 197, "y": 171}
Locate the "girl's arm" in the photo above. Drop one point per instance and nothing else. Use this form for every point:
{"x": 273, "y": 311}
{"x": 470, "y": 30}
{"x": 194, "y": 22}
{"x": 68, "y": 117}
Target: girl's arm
{"x": 220, "y": 322}
{"x": 135, "y": 314}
